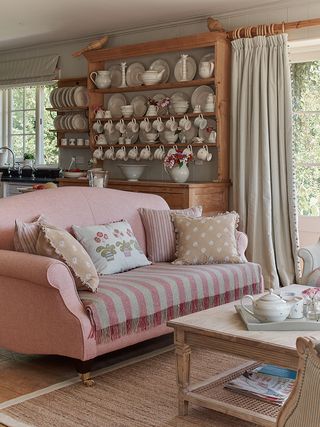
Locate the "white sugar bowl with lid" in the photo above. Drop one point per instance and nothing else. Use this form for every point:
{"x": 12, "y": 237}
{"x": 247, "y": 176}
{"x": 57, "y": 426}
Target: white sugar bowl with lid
{"x": 268, "y": 308}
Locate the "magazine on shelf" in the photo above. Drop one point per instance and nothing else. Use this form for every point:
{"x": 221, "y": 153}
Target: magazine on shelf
{"x": 266, "y": 382}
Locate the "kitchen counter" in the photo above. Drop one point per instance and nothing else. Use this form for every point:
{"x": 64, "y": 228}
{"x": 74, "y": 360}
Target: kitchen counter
{"x": 25, "y": 179}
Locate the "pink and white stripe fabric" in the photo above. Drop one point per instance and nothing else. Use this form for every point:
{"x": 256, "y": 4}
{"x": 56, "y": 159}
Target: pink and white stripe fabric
{"x": 161, "y": 240}
{"x": 149, "y": 296}
{"x": 26, "y": 235}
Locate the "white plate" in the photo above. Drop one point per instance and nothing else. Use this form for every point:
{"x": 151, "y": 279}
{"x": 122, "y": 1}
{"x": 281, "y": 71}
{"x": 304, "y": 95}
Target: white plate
{"x": 79, "y": 122}
{"x": 81, "y": 96}
{"x": 191, "y": 69}
{"x": 203, "y": 133}
{"x": 65, "y": 97}
{"x": 68, "y": 122}
{"x": 52, "y": 100}
{"x": 200, "y": 95}
{"x": 68, "y": 174}
{"x": 177, "y": 96}
{"x": 115, "y": 103}
{"x": 71, "y": 96}
{"x": 58, "y": 100}
{"x": 116, "y": 78}
{"x": 140, "y": 105}
{"x": 159, "y": 65}
{"x": 189, "y": 134}
{"x": 133, "y": 73}
{"x": 56, "y": 122}
{"x": 162, "y": 110}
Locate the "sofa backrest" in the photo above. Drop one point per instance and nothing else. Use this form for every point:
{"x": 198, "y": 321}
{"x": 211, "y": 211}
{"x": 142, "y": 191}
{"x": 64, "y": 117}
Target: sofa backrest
{"x": 66, "y": 206}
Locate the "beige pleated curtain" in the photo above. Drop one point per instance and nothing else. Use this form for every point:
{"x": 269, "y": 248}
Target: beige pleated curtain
{"x": 261, "y": 155}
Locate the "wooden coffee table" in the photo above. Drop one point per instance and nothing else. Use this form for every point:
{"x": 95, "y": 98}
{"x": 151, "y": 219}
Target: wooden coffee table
{"x": 221, "y": 329}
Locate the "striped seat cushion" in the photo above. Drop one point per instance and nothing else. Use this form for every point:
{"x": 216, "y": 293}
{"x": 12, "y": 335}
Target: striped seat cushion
{"x": 140, "y": 299}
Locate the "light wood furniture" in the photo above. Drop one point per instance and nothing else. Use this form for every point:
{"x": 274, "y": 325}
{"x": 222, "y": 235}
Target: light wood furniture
{"x": 216, "y": 43}
{"x": 211, "y": 196}
{"x": 221, "y": 329}
{"x": 73, "y": 81}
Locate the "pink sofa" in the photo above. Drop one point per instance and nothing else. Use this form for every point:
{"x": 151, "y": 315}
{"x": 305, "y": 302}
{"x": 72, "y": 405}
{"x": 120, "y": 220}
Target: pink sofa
{"x": 40, "y": 309}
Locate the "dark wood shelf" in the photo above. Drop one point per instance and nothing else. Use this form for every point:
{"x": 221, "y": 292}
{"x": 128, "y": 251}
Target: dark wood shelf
{"x": 74, "y": 146}
{"x": 165, "y": 117}
{"x": 157, "y": 145}
{"x": 158, "y": 86}
{"x": 67, "y": 109}
{"x": 70, "y": 130}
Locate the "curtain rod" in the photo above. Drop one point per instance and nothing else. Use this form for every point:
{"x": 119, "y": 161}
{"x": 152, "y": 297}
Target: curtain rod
{"x": 265, "y": 29}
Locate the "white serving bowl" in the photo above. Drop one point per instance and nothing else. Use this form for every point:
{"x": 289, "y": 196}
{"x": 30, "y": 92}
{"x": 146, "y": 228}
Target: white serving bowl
{"x": 68, "y": 174}
{"x": 180, "y": 108}
{"x": 132, "y": 172}
{"x": 151, "y": 137}
{"x": 151, "y": 77}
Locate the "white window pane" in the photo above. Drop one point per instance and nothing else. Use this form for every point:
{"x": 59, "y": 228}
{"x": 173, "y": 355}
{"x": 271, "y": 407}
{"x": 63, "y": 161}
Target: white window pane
{"x": 17, "y": 145}
{"x": 17, "y": 98}
{"x": 30, "y": 144}
{"x": 17, "y": 122}
{"x": 30, "y": 121}
{"x": 30, "y": 98}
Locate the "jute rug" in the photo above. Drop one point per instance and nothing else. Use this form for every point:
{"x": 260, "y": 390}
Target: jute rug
{"x": 143, "y": 394}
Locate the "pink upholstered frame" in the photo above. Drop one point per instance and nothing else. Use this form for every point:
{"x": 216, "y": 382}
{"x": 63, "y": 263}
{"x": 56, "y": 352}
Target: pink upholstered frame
{"x": 40, "y": 310}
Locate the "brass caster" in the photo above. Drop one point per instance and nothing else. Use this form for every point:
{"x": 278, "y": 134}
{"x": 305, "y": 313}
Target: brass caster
{"x": 87, "y": 380}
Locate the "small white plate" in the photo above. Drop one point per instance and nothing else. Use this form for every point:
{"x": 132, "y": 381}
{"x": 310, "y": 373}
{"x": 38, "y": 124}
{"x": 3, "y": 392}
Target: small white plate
{"x": 81, "y": 96}
{"x": 140, "y": 105}
{"x": 159, "y": 65}
{"x": 116, "y": 78}
{"x": 200, "y": 95}
{"x": 115, "y": 103}
{"x": 191, "y": 66}
{"x": 133, "y": 74}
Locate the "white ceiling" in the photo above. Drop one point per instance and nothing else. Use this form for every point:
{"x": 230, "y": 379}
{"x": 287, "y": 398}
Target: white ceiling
{"x": 31, "y": 22}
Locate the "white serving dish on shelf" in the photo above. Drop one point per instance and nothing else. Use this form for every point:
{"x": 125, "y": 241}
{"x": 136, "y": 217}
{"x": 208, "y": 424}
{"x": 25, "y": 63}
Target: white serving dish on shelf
{"x": 132, "y": 172}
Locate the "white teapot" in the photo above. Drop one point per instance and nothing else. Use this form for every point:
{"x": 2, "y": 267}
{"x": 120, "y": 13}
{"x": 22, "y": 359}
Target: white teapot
{"x": 268, "y": 308}
{"x": 151, "y": 77}
{"x": 102, "y": 79}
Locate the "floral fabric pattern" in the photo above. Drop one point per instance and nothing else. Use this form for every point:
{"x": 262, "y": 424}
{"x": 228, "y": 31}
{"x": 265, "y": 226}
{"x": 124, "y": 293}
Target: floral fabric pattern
{"x": 112, "y": 247}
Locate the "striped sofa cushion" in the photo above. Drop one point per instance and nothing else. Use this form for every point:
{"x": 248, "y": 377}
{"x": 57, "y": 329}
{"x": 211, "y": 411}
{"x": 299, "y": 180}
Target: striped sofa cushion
{"x": 160, "y": 236}
{"x": 140, "y": 299}
{"x": 26, "y": 235}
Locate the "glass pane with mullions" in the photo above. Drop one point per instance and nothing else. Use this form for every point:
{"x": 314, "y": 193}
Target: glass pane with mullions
{"x": 30, "y": 98}
{"x": 17, "y": 122}
{"x": 17, "y": 145}
{"x": 30, "y": 144}
{"x": 17, "y": 98}
{"x": 30, "y": 121}
{"x": 51, "y": 152}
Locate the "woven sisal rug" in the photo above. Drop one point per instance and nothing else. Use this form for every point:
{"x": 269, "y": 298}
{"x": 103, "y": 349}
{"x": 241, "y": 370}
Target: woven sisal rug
{"x": 142, "y": 394}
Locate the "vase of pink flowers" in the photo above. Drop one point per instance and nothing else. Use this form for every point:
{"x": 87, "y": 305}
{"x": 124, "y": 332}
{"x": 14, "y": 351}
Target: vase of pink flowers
{"x": 177, "y": 165}
{"x": 312, "y": 299}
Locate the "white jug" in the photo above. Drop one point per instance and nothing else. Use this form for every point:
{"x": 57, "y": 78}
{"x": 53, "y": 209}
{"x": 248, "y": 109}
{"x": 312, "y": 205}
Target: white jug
{"x": 206, "y": 69}
{"x": 102, "y": 79}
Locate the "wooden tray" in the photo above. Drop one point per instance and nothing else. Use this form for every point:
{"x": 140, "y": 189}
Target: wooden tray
{"x": 254, "y": 324}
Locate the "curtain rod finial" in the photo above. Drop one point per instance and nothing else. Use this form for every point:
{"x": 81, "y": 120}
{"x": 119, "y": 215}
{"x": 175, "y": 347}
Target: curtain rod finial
{"x": 214, "y": 25}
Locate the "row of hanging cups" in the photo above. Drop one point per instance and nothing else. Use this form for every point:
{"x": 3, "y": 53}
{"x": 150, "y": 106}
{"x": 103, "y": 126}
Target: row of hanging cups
{"x": 146, "y": 153}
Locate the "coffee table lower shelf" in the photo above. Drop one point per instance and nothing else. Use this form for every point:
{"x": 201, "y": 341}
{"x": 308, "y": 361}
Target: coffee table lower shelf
{"x": 212, "y": 394}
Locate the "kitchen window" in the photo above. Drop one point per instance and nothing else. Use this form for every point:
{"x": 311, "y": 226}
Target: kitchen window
{"x": 26, "y": 124}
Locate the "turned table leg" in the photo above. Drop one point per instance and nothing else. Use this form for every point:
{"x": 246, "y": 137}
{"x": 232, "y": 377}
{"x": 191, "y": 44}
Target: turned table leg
{"x": 183, "y": 352}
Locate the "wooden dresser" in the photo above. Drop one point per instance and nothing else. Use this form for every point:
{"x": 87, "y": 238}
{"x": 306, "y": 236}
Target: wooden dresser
{"x": 213, "y": 196}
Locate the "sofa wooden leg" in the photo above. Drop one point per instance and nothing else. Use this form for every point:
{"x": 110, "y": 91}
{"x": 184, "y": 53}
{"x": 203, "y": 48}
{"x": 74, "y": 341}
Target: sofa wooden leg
{"x": 84, "y": 368}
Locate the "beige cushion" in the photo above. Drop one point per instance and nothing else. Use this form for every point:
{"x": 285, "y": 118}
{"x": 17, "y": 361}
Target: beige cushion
{"x": 206, "y": 240}
{"x": 26, "y": 235}
{"x": 59, "y": 244}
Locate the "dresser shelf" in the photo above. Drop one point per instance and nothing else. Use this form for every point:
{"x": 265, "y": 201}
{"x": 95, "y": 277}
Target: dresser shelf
{"x": 165, "y": 117}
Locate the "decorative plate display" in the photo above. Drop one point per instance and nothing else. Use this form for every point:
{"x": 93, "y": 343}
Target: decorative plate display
{"x": 116, "y": 78}
{"x": 133, "y": 74}
{"x": 52, "y": 97}
{"x": 69, "y": 121}
{"x": 159, "y": 65}
{"x": 177, "y": 96}
{"x": 191, "y": 66}
{"x": 200, "y": 95}
{"x": 140, "y": 105}
{"x": 188, "y": 135}
{"x": 56, "y": 122}
{"x": 115, "y": 103}
{"x": 58, "y": 99}
{"x": 71, "y": 96}
{"x": 79, "y": 122}
{"x": 80, "y": 96}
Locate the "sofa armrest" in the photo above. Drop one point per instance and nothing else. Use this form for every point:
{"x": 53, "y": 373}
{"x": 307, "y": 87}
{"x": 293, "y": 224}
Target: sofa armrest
{"x": 311, "y": 260}
{"x": 242, "y": 244}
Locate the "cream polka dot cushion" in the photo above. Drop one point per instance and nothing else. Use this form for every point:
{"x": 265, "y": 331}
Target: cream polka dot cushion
{"x": 59, "y": 244}
{"x": 206, "y": 240}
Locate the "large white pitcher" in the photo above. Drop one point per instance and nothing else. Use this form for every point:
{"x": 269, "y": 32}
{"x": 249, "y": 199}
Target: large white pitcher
{"x": 102, "y": 79}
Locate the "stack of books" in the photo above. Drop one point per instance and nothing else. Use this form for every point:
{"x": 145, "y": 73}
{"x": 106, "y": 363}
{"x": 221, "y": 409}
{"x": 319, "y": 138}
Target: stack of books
{"x": 267, "y": 382}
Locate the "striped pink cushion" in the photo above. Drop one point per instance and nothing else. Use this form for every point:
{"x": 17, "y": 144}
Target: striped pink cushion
{"x": 26, "y": 235}
{"x": 161, "y": 244}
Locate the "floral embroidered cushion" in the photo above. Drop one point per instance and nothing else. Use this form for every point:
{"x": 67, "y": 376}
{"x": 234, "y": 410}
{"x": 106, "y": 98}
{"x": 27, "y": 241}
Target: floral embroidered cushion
{"x": 207, "y": 240}
{"x": 161, "y": 241}
{"x": 112, "y": 247}
{"x": 59, "y": 244}
{"x": 26, "y": 235}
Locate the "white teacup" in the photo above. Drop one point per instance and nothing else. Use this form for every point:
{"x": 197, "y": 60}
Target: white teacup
{"x": 127, "y": 111}
{"x": 64, "y": 141}
{"x": 145, "y": 153}
{"x": 100, "y": 139}
{"x": 80, "y": 141}
{"x": 121, "y": 140}
{"x": 72, "y": 141}
{"x": 171, "y": 137}
{"x": 133, "y": 153}
{"x": 127, "y": 140}
{"x": 172, "y": 150}
{"x": 98, "y": 126}
{"x": 188, "y": 150}
{"x": 151, "y": 137}
{"x": 121, "y": 126}
{"x": 98, "y": 153}
{"x": 87, "y": 142}
{"x": 171, "y": 124}
{"x": 203, "y": 152}
{"x": 185, "y": 123}
{"x": 200, "y": 122}
{"x": 109, "y": 154}
{"x": 133, "y": 126}
{"x": 107, "y": 114}
{"x": 145, "y": 125}
{"x": 160, "y": 153}
{"x": 158, "y": 125}
{"x": 180, "y": 107}
{"x": 109, "y": 126}
{"x": 121, "y": 153}
{"x": 296, "y": 311}
{"x": 99, "y": 114}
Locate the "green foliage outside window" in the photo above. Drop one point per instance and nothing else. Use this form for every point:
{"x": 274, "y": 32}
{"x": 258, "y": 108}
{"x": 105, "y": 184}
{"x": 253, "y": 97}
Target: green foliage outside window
{"x": 306, "y": 135}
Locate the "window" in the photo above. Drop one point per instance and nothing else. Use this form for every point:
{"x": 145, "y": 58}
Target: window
{"x": 27, "y": 123}
{"x": 306, "y": 134}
